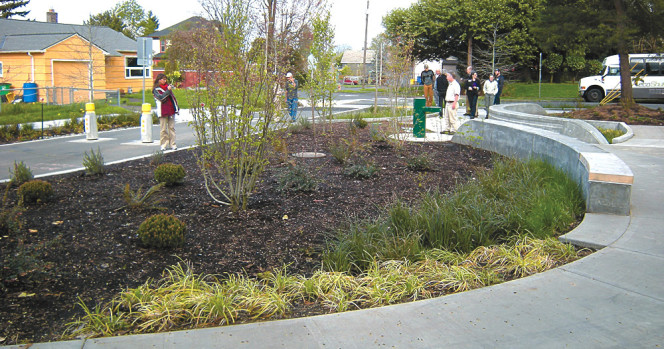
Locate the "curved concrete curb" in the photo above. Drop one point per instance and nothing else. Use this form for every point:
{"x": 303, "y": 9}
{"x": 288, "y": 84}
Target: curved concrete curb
{"x": 534, "y": 115}
{"x": 613, "y": 125}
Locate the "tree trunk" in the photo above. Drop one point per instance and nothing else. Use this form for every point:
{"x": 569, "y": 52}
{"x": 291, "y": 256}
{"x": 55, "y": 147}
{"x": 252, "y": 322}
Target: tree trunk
{"x": 626, "y": 97}
{"x": 470, "y": 51}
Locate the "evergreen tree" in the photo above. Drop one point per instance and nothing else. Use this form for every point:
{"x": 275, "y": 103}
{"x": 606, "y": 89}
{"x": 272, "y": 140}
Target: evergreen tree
{"x": 9, "y": 8}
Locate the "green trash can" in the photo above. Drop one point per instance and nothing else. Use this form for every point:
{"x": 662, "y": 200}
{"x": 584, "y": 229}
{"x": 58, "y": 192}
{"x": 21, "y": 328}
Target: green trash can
{"x": 4, "y": 89}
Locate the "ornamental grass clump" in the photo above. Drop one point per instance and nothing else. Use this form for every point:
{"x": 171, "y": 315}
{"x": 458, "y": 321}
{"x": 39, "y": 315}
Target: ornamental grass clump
{"x": 162, "y": 231}
{"x": 297, "y": 179}
{"x": 169, "y": 173}
{"x": 513, "y": 199}
{"x": 35, "y": 191}
{"x": 93, "y": 162}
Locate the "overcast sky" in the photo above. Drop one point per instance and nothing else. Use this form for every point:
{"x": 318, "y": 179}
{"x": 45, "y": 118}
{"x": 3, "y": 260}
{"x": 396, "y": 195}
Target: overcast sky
{"x": 348, "y": 16}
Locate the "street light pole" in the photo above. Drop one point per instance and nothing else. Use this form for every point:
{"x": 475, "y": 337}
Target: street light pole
{"x": 364, "y": 60}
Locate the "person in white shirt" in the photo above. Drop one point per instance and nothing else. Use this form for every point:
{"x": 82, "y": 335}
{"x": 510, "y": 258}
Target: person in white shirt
{"x": 490, "y": 89}
{"x": 450, "y": 120}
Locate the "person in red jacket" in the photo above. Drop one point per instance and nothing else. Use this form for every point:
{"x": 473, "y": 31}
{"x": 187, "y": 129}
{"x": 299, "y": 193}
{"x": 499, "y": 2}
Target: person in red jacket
{"x": 167, "y": 107}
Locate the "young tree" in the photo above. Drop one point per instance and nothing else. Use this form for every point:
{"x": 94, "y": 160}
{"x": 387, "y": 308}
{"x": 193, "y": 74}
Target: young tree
{"x": 323, "y": 76}
{"x": 9, "y": 8}
{"x": 235, "y": 106}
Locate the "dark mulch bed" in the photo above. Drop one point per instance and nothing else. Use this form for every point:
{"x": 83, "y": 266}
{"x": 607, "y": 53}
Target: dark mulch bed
{"x": 87, "y": 247}
{"x": 636, "y": 115}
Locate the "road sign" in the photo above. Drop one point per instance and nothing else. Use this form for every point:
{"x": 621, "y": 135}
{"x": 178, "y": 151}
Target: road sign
{"x": 144, "y": 51}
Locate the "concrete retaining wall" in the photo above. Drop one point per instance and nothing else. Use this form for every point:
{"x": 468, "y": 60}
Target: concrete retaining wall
{"x": 534, "y": 115}
{"x": 605, "y": 180}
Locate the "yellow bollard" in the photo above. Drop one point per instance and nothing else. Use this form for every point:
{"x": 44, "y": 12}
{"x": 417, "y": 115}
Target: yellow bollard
{"x": 146, "y": 123}
{"x": 90, "y": 122}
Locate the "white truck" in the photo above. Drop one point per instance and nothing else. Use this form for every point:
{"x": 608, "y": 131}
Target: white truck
{"x": 647, "y": 78}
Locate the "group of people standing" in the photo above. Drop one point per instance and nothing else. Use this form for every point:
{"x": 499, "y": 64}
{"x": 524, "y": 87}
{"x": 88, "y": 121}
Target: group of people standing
{"x": 447, "y": 91}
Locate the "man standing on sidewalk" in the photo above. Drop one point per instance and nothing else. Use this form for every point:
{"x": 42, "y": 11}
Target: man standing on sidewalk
{"x": 427, "y": 77}
{"x": 441, "y": 90}
{"x": 450, "y": 120}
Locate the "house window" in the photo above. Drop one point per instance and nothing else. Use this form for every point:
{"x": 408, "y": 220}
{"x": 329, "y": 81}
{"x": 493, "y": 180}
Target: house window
{"x": 1, "y": 70}
{"x": 133, "y": 70}
{"x": 163, "y": 45}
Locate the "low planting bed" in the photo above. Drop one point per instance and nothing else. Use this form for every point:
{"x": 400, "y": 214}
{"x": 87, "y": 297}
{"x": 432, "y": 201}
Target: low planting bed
{"x": 78, "y": 255}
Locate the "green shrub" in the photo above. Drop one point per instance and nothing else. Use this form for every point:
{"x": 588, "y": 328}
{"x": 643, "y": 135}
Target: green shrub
{"x": 20, "y": 174}
{"x": 300, "y": 125}
{"x": 376, "y": 134}
{"x": 10, "y": 216}
{"x": 35, "y": 191}
{"x": 361, "y": 170}
{"x": 162, "y": 230}
{"x": 359, "y": 122}
{"x": 169, "y": 173}
{"x": 610, "y": 134}
{"x": 93, "y": 162}
{"x": 419, "y": 163}
{"x": 297, "y": 178}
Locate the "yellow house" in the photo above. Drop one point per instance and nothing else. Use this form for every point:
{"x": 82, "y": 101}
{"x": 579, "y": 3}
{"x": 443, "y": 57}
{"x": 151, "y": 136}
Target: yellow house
{"x": 66, "y": 61}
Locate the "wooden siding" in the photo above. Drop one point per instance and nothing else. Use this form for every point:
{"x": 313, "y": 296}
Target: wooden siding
{"x": 50, "y": 69}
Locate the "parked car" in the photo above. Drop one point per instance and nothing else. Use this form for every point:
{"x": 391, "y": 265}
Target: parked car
{"x": 351, "y": 80}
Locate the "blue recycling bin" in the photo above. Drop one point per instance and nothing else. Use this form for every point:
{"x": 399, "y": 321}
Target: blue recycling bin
{"x": 30, "y": 92}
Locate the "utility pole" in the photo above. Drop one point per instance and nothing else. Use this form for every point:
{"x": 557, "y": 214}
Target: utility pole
{"x": 364, "y": 59}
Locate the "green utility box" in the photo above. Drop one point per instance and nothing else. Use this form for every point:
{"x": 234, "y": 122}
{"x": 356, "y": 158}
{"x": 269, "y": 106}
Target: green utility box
{"x": 4, "y": 89}
{"x": 420, "y": 116}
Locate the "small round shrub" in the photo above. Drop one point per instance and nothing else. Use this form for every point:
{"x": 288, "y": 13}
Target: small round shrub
{"x": 35, "y": 191}
{"x": 162, "y": 230}
{"x": 170, "y": 174}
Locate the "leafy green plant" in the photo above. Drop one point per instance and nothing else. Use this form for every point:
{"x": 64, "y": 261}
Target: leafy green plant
{"x": 10, "y": 216}
{"x": 419, "y": 163}
{"x": 361, "y": 169}
{"x": 150, "y": 199}
{"x": 297, "y": 178}
{"x": 94, "y": 162}
{"x": 340, "y": 151}
{"x": 20, "y": 174}
{"x": 162, "y": 230}
{"x": 359, "y": 122}
{"x": 610, "y": 134}
{"x": 35, "y": 191}
{"x": 376, "y": 134}
{"x": 169, "y": 173}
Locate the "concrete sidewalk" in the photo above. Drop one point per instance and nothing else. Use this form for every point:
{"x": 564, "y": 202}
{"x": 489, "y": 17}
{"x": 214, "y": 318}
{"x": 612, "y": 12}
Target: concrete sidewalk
{"x": 613, "y": 298}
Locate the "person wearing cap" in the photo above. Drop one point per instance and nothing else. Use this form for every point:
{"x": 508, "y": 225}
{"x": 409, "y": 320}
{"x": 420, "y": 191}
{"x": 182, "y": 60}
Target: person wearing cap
{"x": 500, "y": 80}
{"x": 428, "y": 77}
{"x": 291, "y": 95}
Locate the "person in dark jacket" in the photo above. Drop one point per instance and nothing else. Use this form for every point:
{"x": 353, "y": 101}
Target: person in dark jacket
{"x": 472, "y": 93}
{"x": 441, "y": 89}
{"x": 427, "y": 77}
{"x": 167, "y": 107}
{"x": 501, "y": 81}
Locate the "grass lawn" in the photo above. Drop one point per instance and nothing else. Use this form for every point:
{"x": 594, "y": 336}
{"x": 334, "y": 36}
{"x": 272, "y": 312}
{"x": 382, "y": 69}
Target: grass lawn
{"x": 32, "y": 112}
{"x": 520, "y": 90}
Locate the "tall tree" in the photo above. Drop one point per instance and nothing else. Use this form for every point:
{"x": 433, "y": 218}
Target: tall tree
{"x": 127, "y": 17}
{"x": 8, "y": 8}
{"x": 441, "y": 28}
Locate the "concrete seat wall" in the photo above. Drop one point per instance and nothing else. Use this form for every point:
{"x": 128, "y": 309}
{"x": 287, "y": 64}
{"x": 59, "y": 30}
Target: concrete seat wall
{"x": 604, "y": 179}
{"x": 534, "y": 115}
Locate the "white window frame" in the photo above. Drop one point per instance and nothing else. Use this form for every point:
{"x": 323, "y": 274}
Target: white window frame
{"x": 128, "y": 70}
{"x": 1, "y": 69}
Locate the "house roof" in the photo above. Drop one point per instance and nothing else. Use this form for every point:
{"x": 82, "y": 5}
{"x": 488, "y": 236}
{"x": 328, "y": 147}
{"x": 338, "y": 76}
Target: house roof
{"x": 350, "y": 57}
{"x": 186, "y": 24}
{"x": 31, "y": 36}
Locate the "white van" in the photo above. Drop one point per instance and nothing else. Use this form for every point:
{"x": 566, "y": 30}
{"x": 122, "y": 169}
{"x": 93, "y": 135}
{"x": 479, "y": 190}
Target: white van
{"x": 648, "y": 85}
